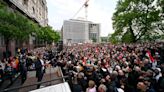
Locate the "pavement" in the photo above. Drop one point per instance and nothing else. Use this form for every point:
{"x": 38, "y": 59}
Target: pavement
{"x": 7, "y": 82}
{"x": 51, "y": 73}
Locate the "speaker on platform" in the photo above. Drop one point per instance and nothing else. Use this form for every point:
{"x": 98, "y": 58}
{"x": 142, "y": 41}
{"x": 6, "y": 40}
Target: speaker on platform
{"x": 60, "y": 46}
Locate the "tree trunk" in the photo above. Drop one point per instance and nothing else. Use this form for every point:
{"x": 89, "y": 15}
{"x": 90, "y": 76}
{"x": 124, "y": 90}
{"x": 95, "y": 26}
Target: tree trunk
{"x": 132, "y": 33}
{"x": 7, "y": 52}
{"x": 7, "y": 44}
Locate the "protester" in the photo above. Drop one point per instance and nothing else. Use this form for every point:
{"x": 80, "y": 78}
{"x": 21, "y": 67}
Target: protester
{"x": 160, "y": 84}
{"x": 102, "y": 88}
{"x": 92, "y": 87}
{"x": 76, "y": 86}
{"x": 121, "y": 68}
{"x": 104, "y": 67}
{"x": 1, "y": 74}
{"x": 14, "y": 64}
{"x": 23, "y": 71}
{"x": 9, "y": 72}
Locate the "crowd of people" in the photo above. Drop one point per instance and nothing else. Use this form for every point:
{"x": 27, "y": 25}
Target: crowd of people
{"x": 114, "y": 68}
{"x": 24, "y": 61}
{"x": 9, "y": 69}
{"x": 96, "y": 67}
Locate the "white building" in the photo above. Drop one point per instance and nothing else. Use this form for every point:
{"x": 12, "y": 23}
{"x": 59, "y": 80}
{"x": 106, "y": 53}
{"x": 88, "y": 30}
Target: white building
{"x": 80, "y": 31}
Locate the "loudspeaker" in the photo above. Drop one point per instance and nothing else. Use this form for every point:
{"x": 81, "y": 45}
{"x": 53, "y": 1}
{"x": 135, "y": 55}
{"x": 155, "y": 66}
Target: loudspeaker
{"x": 60, "y": 46}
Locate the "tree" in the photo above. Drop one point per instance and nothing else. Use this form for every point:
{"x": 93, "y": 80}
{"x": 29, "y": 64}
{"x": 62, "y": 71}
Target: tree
{"x": 14, "y": 26}
{"x": 136, "y": 18}
{"x": 48, "y": 34}
{"x": 94, "y": 39}
{"x": 114, "y": 39}
{"x": 127, "y": 37}
{"x": 104, "y": 39}
{"x": 160, "y": 24}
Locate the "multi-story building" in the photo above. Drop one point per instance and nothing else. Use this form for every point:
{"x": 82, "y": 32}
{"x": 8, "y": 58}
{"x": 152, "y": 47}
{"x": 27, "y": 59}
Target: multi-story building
{"x": 94, "y": 32}
{"x": 35, "y": 10}
{"x": 80, "y": 31}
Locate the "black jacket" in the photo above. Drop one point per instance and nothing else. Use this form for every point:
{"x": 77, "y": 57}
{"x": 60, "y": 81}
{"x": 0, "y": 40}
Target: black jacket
{"x": 38, "y": 68}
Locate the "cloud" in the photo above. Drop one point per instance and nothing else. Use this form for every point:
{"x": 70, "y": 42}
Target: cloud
{"x": 99, "y": 11}
{"x": 101, "y": 14}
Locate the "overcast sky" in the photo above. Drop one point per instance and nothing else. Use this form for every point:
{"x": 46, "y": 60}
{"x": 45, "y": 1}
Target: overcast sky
{"x": 99, "y": 11}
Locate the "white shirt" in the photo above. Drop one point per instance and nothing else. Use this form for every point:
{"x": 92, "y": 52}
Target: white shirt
{"x": 3, "y": 65}
{"x": 91, "y": 89}
{"x": 42, "y": 62}
{"x": 158, "y": 76}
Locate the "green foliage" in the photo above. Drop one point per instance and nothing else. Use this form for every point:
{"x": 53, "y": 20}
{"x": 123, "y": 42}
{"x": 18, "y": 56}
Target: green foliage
{"x": 137, "y": 18}
{"x": 2, "y": 4}
{"x": 162, "y": 36}
{"x": 114, "y": 39}
{"x": 104, "y": 39}
{"x": 48, "y": 34}
{"x": 94, "y": 39}
{"x": 15, "y": 26}
{"x": 127, "y": 37}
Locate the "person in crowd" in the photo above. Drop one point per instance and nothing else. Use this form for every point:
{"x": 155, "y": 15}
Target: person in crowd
{"x": 91, "y": 86}
{"x": 102, "y": 88}
{"x": 1, "y": 74}
{"x": 76, "y": 86}
{"x": 157, "y": 73}
{"x": 81, "y": 80}
{"x": 119, "y": 67}
{"x": 143, "y": 86}
{"x": 14, "y": 65}
{"x": 134, "y": 67}
{"x": 160, "y": 84}
{"x": 29, "y": 61}
{"x": 23, "y": 70}
{"x": 40, "y": 68}
{"x": 9, "y": 72}
{"x": 3, "y": 63}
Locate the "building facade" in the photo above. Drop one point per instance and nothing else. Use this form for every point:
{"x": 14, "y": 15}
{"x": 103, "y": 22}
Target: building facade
{"x": 94, "y": 32}
{"x": 35, "y": 10}
{"x": 80, "y": 31}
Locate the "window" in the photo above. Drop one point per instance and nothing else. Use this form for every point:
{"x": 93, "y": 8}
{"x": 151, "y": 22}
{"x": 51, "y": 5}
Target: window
{"x": 42, "y": 3}
{"x": 25, "y": 2}
{"x": 33, "y": 9}
{"x": 40, "y": 11}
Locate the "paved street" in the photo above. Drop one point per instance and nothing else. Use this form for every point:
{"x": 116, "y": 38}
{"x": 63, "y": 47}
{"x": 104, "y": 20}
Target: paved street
{"x": 7, "y": 82}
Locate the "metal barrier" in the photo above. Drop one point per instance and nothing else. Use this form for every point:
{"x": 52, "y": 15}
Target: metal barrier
{"x": 38, "y": 83}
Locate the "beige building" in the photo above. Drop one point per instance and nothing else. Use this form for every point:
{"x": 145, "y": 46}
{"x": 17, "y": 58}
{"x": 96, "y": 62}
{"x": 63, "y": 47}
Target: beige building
{"x": 34, "y": 9}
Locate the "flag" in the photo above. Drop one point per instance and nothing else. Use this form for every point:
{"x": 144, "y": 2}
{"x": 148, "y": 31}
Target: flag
{"x": 148, "y": 54}
{"x": 84, "y": 61}
{"x": 97, "y": 50}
